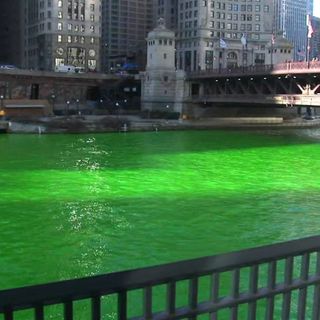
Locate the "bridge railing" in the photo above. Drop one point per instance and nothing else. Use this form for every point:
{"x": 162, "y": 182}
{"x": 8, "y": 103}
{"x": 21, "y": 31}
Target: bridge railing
{"x": 219, "y": 286}
{"x": 257, "y": 69}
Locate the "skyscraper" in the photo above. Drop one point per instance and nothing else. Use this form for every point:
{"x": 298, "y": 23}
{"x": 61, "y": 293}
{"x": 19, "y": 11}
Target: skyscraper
{"x": 11, "y": 29}
{"x": 290, "y": 21}
{"x": 61, "y": 32}
{"x": 315, "y": 39}
{"x": 125, "y": 24}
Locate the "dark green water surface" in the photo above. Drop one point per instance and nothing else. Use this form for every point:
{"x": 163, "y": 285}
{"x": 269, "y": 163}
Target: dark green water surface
{"x": 80, "y": 205}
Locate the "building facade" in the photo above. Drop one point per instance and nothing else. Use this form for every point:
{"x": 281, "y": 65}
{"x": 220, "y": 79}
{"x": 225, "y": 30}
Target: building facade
{"x": 125, "y": 25}
{"x": 315, "y": 39}
{"x": 290, "y": 21}
{"x": 214, "y": 34}
{"x": 11, "y": 32}
{"x": 61, "y": 32}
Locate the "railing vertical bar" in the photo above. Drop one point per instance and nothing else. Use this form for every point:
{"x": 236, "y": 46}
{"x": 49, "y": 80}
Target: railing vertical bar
{"x": 8, "y": 314}
{"x": 39, "y": 312}
{"x": 286, "y": 303}
{"x": 147, "y": 302}
{"x": 303, "y": 292}
{"x": 316, "y": 295}
{"x": 253, "y": 287}
{"x": 215, "y": 279}
{"x": 122, "y": 305}
{"x": 193, "y": 295}
{"x": 171, "y": 298}
{"x": 68, "y": 310}
{"x": 235, "y": 292}
{"x": 272, "y": 267}
{"x": 96, "y": 308}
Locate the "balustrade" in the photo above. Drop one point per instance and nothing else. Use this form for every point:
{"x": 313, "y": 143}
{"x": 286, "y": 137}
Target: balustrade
{"x": 224, "y": 286}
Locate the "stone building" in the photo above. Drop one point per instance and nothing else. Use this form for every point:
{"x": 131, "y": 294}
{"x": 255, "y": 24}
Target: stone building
{"x": 62, "y": 32}
{"x": 280, "y": 51}
{"x": 163, "y": 86}
{"x": 216, "y": 34}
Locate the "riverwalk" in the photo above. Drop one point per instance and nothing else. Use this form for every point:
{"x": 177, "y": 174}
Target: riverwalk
{"x": 94, "y": 123}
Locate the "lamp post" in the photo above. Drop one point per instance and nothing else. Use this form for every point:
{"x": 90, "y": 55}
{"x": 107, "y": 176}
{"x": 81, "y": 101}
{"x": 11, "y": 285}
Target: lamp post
{"x": 53, "y": 98}
{"x": 1, "y": 106}
{"x": 118, "y": 108}
{"x": 67, "y": 109}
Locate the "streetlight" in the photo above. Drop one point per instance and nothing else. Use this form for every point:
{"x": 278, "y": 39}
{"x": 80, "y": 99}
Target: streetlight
{"x": 2, "y": 97}
{"x": 67, "y": 110}
{"x": 118, "y": 109}
{"x": 53, "y": 98}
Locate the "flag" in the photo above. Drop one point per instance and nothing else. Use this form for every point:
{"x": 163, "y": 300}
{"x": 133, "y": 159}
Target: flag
{"x": 309, "y": 25}
{"x": 223, "y": 44}
{"x": 243, "y": 40}
{"x": 301, "y": 53}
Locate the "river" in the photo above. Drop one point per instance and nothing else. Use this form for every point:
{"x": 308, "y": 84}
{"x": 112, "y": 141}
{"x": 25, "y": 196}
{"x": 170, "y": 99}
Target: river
{"x": 81, "y": 205}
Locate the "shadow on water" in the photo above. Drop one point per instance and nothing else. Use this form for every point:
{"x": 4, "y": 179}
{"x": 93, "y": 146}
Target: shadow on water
{"x": 71, "y": 239}
{"x": 123, "y": 151}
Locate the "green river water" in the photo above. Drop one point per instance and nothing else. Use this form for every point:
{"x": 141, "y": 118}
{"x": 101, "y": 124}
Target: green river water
{"x": 81, "y": 205}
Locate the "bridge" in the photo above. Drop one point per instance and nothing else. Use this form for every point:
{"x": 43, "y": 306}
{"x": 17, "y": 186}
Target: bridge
{"x": 287, "y": 84}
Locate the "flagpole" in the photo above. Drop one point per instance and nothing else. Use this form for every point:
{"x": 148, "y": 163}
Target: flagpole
{"x": 308, "y": 52}
{"x": 309, "y": 35}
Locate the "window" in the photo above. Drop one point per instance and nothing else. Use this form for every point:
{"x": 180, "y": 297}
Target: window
{"x": 60, "y": 4}
{"x": 164, "y": 56}
{"x": 69, "y": 39}
{"x": 92, "y": 7}
{"x": 257, "y": 8}
{"x": 60, "y": 15}
{"x": 59, "y": 26}
{"x": 59, "y": 38}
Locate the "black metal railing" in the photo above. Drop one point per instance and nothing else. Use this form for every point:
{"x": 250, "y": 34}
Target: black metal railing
{"x": 241, "y": 285}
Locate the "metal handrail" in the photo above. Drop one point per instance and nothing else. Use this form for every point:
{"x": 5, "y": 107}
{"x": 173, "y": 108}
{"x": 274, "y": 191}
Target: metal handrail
{"x": 257, "y": 69}
{"x": 65, "y": 292}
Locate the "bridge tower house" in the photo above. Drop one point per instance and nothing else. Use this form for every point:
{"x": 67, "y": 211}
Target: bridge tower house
{"x": 163, "y": 87}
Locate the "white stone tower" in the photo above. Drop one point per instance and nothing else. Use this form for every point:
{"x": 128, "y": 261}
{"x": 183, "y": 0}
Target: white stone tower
{"x": 162, "y": 85}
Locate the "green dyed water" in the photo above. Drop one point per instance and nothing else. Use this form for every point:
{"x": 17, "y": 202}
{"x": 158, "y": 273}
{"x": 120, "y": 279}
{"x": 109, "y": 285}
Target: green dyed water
{"x": 80, "y": 205}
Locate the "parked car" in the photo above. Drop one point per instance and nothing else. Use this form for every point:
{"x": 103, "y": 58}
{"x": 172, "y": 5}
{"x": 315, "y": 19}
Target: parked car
{"x": 7, "y": 66}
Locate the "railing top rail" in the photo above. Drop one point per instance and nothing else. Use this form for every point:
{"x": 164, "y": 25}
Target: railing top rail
{"x": 127, "y": 280}
{"x": 284, "y": 67}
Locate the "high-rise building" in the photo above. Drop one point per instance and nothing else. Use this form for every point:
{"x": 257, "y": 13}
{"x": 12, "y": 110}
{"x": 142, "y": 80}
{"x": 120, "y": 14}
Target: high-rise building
{"x": 11, "y": 29}
{"x": 61, "y": 32}
{"x": 315, "y": 39}
{"x": 125, "y": 25}
{"x": 290, "y": 21}
{"x": 212, "y": 34}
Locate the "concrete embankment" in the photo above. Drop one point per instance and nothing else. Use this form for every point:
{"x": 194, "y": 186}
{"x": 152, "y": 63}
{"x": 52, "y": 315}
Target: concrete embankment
{"x": 76, "y": 124}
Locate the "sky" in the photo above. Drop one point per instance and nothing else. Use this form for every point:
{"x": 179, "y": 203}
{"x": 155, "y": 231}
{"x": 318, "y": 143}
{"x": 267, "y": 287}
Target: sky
{"x": 316, "y": 11}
